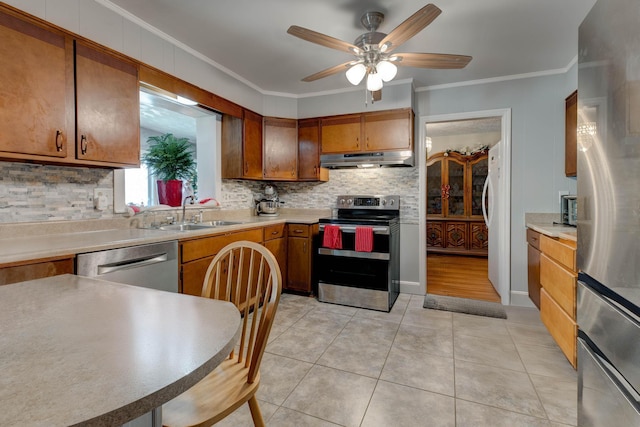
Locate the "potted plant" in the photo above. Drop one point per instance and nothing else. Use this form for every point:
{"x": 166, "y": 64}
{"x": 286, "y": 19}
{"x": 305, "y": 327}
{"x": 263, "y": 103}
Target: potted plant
{"x": 170, "y": 160}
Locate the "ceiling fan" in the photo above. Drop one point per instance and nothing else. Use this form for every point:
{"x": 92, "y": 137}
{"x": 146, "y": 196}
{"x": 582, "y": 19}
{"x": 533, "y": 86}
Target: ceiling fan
{"x": 374, "y": 51}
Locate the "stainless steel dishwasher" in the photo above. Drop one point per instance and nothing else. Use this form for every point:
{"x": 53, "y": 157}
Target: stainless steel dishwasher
{"x": 151, "y": 266}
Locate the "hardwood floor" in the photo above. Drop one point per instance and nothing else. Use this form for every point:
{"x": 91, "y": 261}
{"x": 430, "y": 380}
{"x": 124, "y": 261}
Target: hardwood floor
{"x": 460, "y": 276}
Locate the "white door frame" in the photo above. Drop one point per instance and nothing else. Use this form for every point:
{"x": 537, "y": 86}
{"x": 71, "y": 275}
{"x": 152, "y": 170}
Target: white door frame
{"x": 504, "y": 214}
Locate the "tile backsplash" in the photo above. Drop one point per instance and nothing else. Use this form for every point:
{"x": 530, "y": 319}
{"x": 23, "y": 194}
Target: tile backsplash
{"x": 33, "y": 193}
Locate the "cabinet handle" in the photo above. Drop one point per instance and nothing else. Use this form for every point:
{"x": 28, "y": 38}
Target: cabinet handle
{"x": 315, "y": 170}
{"x": 367, "y": 142}
{"x": 83, "y": 144}
{"x": 58, "y": 141}
{"x": 304, "y": 247}
{"x": 357, "y": 142}
{"x": 297, "y": 230}
{"x": 293, "y": 172}
{"x": 273, "y": 233}
{"x": 246, "y": 167}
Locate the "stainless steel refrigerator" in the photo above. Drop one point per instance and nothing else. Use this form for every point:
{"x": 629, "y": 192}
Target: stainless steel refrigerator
{"x": 609, "y": 215}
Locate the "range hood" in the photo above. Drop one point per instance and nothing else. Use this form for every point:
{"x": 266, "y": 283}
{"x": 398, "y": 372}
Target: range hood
{"x": 363, "y": 160}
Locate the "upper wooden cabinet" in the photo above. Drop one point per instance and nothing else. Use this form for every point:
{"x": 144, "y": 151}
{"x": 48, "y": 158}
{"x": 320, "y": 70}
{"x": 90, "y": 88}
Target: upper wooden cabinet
{"x": 373, "y": 131}
{"x": 571, "y": 135}
{"x": 45, "y": 108}
{"x": 241, "y": 147}
{"x": 36, "y": 93}
{"x": 341, "y": 134}
{"x": 108, "y": 107}
{"x": 280, "y": 149}
{"x": 309, "y": 151}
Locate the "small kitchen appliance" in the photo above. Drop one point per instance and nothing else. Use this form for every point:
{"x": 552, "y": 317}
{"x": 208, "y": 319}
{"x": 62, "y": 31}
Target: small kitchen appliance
{"x": 354, "y": 273}
{"x": 569, "y": 210}
{"x": 268, "y": 203}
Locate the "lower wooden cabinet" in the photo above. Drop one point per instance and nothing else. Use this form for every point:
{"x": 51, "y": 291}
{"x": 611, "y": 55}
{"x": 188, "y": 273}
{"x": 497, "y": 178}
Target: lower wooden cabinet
{"x": 300, "y": 250}
{"x": 533, "y": 266}
{"x": 35, "y": 269}
{"x": 558, "y": 294}
{"x": 197, "y": 254}
{"x": 457, "y": 237}
{"x": 275, "y": 240}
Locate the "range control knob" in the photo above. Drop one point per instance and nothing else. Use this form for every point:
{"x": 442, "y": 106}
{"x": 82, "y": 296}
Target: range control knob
{"x": 350, "y": 201}
{"x": 384, "y": 202}
{"x": 391, "y": 202}
{"x": 342, "y": 201}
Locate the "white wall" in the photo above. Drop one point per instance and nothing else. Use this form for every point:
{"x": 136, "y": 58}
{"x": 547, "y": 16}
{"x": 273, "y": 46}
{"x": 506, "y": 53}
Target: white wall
{"x": 537, "y": 162}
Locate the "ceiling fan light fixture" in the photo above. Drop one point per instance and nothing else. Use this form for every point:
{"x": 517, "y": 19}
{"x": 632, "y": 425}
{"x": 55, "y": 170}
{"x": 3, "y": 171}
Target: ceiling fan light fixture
{"x": 374, "y": 82}
{"x": 386, "y": 70}
{"x": 356, "y": 73}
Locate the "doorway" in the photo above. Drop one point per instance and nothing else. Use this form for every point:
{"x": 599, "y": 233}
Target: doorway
{"x": 458, "y": 259}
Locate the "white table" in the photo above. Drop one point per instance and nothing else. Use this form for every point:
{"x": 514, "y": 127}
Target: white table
{"x": 79, "y": 350}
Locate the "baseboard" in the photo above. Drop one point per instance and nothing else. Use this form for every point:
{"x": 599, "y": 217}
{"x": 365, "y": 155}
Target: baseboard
{"x": 411, "y": 288}
{"x": 521, "y": 299}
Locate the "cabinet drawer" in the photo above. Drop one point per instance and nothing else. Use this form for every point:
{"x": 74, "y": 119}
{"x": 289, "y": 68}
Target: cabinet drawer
{"x": 533, "y": 238}
{"x": 562, "y": 328}
{"x": 298, "y": 230}
{"x": 559, "y": 283}
{"x": 562, "y": 251}
{"x": 208, "y": 246}
{"x": 37, "y": 269}
{"x": 273, "y": 232}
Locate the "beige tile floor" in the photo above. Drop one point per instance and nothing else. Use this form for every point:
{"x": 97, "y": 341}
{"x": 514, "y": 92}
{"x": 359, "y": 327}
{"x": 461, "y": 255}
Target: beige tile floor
{"x": 331, "y": 365}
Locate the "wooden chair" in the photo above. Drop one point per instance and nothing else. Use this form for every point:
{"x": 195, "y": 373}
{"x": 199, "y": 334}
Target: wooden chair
{"x": 248, "y": 275}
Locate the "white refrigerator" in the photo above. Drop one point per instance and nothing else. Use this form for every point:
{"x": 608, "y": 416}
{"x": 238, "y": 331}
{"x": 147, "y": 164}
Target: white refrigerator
{"x": 490, "y": 209}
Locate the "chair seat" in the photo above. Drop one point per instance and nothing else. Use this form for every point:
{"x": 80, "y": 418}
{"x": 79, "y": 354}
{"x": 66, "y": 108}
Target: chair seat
{"x": 217, "y": 395}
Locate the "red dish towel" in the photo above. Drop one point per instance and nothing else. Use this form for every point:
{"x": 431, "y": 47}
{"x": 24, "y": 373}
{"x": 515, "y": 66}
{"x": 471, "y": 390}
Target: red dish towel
{"x": 332, "y": 238}
{"x": 364, "y": 239}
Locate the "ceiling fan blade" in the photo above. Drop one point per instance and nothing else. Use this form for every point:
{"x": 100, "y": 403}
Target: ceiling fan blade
{"x": 322, "y": 39}
{"x": 410, "y": 27}
{"x": 432, "y": 60}
{"x": 328, "y": 72}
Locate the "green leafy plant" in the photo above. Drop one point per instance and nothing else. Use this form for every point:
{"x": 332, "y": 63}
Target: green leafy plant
{"x": 169, "y": 157}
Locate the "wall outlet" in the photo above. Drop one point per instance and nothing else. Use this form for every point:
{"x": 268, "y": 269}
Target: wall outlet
{"x": 100, "y": 199}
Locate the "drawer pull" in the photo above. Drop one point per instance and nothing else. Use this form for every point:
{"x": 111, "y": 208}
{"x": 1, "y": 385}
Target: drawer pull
{"x": 273, "y": 233}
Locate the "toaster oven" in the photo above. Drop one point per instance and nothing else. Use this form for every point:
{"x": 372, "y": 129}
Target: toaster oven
{"x": 569, "y": 210}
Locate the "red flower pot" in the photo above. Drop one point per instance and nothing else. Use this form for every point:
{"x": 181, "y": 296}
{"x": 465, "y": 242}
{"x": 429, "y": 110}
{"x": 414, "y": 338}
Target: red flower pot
{"x": 170, "y": 192}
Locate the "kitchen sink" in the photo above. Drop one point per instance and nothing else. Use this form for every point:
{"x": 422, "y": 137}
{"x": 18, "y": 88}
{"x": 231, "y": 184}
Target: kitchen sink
{"x": 198, "y": 226}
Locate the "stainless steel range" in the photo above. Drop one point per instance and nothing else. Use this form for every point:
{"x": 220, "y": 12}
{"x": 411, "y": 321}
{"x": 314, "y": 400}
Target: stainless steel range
{"x": 358, "y": 259}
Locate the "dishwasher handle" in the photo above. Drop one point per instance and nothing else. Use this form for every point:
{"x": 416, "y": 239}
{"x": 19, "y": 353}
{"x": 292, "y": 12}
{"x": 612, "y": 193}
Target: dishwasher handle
{"x": 132, "y": 263}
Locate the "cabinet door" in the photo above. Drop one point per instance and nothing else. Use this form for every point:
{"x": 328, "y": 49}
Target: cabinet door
{"x": 108, "y": 108}
{"x": 278, "y": 248}
{"x": 299, "y": 264}
{"x": 388, "y": 130}
{"x": 479, "y": 236}
{"x": 309, "y": 149}
{"x": 192, "y": 276}
{"x": 231, "y": 147}
{"x": 36, "y": 269}
{"x": 434, "y": 188}
{"x": 571, "y": 135}
{"x": 36, "y": 92}
{"x": 478, "y": 172}
{"x": 280, "y": 149}
{"x": 435, "y": 234}
{"x": 454, "y": 191}
{"x": 341, "y": 134}
{"x": 456, "y": 236}
{"x": 252, "y": 145}
{"x": 533, "y": 274}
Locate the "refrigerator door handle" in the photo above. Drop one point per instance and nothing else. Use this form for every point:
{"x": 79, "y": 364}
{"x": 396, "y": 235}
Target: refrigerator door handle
{"x": 487, "y": 218}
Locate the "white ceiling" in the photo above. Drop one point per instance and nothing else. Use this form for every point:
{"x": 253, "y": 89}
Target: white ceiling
{"x": 248, "y": 38}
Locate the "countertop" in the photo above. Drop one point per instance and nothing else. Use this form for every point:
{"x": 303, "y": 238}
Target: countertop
{"x": 80, "y": 350}
{"x": 554, "y": 230}
{"x": 37, "y": 241}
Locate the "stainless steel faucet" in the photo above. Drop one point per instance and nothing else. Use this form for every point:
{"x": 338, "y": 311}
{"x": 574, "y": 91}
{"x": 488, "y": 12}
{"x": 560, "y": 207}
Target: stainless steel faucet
{"x": 184, "y": 207}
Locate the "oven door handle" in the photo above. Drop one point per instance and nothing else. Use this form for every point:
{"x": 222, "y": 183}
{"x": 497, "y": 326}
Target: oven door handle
{"x": 352, "y": 229}
{"x": 354, "y": 254}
